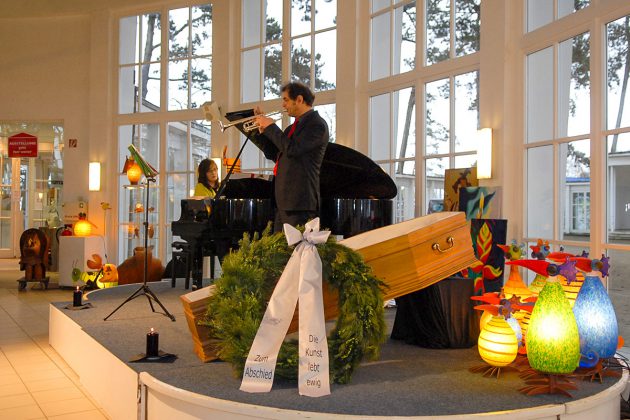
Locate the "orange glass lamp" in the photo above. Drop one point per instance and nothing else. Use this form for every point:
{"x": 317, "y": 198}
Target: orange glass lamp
{"x": 82, "y": 227}
{"x": 133, "y": 171}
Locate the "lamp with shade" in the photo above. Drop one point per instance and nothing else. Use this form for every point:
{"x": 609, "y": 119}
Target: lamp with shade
{"x": 133, "y": 171}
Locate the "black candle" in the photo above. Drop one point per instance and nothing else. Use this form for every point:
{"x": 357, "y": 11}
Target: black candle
{"x": 152, "y": 343}
{"x": 77, "y": 295}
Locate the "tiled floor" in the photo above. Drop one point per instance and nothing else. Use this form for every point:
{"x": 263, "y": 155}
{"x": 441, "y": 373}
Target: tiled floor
{"x": 35, "y": 382}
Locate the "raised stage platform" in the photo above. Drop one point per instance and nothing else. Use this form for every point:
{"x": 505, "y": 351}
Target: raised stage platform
{"x": 407, "y": 382}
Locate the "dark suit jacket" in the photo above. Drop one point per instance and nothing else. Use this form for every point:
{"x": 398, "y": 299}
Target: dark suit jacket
{"x": 297, "y": 181}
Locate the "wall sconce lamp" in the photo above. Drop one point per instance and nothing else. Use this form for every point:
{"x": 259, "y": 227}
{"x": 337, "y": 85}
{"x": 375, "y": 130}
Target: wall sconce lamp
{"x": 484, "y": 153}
{"x": 94, "y": 176}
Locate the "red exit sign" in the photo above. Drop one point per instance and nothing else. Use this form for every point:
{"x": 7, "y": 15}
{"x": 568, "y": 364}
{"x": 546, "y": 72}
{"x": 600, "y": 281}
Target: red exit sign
{"x": 22, "y": 145}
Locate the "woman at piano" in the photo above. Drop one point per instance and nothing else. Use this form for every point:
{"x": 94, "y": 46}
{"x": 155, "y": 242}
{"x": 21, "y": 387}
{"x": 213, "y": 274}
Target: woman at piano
{"x": 207, "y": 179}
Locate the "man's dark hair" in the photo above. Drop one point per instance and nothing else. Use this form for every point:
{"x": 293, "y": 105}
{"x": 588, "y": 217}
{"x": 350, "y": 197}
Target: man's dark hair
{"x": 295, "y": 89}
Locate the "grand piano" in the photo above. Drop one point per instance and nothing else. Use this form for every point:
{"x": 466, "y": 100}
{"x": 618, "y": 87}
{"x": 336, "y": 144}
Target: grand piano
{"x": 356, "y": 194}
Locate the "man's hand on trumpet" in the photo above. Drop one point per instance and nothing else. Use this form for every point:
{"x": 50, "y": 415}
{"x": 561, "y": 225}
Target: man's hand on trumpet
{"x": 262, "y": 121}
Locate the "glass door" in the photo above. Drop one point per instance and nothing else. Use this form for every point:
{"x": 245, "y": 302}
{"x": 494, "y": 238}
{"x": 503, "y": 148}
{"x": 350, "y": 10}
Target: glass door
{"x": 30, "y": 188}
{"x": 10, "y": 220}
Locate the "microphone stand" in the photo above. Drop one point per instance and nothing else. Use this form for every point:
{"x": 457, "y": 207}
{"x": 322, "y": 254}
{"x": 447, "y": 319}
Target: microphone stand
{"x": 144, "y": 289}
{"x": 197, "y": 279}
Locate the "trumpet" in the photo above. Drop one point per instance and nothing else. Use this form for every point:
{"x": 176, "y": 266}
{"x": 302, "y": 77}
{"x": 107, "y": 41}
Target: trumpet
{"x": 249, "y": 123}
{"x": 211, "y": 112}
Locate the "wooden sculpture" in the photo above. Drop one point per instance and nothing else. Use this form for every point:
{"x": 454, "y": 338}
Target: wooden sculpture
{"x": 33, "y": 257}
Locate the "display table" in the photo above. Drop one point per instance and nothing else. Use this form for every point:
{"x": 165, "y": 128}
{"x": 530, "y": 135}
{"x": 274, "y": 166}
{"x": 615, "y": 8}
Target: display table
{"x": 438, "y": 316}
{"x": 74, "y": 252}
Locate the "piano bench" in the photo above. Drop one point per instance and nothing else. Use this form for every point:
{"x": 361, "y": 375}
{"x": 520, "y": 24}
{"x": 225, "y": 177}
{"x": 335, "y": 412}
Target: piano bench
{"x": 181, "y": 254}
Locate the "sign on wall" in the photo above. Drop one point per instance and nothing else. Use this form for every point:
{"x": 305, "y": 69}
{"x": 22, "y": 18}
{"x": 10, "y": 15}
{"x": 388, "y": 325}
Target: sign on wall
{"x": 22, "y": 145}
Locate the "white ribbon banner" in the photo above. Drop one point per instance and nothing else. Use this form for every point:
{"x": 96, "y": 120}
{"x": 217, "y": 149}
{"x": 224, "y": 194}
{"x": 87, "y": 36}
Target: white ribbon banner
{"x": 301, "y": 279}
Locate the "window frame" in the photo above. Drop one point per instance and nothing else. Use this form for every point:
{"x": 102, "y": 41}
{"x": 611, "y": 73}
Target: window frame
{"x": 593, "y": 19}
{"x": 327, "y": 97}
{"x": 161, "y": 118}
{"x": 419, "y": 76}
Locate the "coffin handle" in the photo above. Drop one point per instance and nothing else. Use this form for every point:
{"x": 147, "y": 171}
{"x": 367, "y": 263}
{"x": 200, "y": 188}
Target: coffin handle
{"x": 450, "y": 240}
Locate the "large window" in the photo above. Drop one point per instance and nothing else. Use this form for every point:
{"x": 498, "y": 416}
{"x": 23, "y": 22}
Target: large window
{"x": 284, "y": 40}
{"x": 309, "y": 46}
{"x": 618, "y": 129}
{"x": 164, "y": 71}
{"x": 444, "y": 109}
{"x": 569, "y": 132}
{"x": 451, "y": 123}
{"x": 393, "y": 38}
{"x": 558, "y": 139}
{"x": 139, "y": 63}
{"x": 393, "y": 133}
{"x": 190, "y": 57}
{"x": 452, "y": 29}
{"x": 617, "y": 149}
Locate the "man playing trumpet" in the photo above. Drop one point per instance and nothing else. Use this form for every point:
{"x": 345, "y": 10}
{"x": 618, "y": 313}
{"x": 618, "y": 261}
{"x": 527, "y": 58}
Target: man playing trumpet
{"x": 298, "y": 153}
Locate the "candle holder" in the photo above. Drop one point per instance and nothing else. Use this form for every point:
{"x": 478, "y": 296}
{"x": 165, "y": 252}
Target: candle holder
{"x": 161, "y": 357}
{"x": 77, "y": 301}
{"x": 153, "y": 353}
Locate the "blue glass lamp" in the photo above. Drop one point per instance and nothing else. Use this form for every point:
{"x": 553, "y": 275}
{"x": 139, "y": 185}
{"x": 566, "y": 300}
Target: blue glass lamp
{"x": 596, "y": 320}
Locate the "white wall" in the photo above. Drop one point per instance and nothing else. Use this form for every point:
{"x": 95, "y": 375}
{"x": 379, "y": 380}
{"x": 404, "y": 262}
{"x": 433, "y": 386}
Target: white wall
{"x": 44, "y": 76}
{"x": 56, "y": 69}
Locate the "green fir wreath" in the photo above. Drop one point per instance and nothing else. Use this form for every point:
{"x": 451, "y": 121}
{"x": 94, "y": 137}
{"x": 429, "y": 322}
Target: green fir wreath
{"x": 243, "y": 292}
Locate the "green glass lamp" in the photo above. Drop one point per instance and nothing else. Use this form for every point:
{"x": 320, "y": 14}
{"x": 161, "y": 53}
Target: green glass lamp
{"x": 553, "y": 341}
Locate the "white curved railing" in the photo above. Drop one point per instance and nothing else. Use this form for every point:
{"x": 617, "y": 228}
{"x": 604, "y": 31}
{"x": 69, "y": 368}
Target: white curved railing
{"x": 163, "y": 401}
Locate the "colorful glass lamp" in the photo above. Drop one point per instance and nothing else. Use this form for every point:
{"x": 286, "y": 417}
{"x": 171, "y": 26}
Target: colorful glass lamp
{"x": 596, "y": 320}
{"x": 515, "y": 285}
{"x": 553, "y": 342}
{"x": 82, "y": 227}
{"x": 498, "y": 344}
{"x": 133, "y": 171}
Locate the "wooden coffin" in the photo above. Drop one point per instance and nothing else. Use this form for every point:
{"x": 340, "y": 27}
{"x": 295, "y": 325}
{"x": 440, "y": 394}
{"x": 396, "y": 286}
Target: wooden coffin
{"x": 412, "y": 255}
{"x": 407, "y": 256}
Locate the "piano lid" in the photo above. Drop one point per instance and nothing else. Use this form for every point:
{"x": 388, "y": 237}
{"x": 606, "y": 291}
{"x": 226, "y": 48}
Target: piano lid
{"x": 345, "y": 172}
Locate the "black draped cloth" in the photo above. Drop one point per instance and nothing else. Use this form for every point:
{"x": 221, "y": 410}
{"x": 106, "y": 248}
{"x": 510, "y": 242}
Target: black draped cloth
{"x": 438, "y": 316}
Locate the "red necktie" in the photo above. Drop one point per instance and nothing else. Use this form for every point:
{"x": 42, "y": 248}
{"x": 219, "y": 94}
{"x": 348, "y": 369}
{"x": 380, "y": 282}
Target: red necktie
{"x": 291, "y": 131}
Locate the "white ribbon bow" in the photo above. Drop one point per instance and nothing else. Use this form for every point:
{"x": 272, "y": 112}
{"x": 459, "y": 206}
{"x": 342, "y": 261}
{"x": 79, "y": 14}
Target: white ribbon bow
{"x": 311, "y": 235}
{"x": 305, "y": 266}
